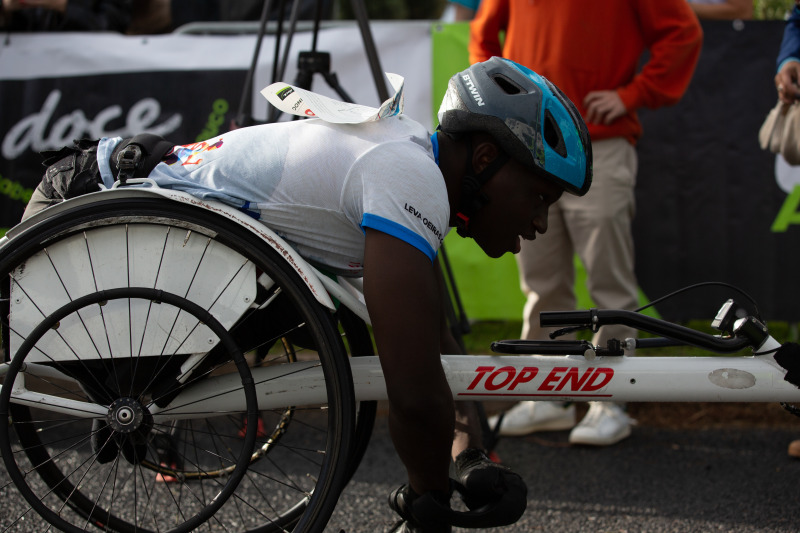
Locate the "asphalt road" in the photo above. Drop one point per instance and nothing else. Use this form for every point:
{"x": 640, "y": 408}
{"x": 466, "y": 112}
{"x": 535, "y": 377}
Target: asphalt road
{"x": 658, "y": 480}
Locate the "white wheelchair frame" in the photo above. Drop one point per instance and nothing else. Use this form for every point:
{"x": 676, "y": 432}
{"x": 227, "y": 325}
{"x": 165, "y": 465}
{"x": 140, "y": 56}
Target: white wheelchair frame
{"x": 578, "y": 377}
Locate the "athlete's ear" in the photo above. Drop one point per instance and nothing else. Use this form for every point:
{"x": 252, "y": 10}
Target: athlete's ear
{"x": 484, "y": 152}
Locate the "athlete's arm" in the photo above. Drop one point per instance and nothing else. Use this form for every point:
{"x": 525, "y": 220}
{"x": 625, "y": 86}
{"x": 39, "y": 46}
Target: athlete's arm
{"x": 468, "y": 433}
{"x": 402, "y": 295}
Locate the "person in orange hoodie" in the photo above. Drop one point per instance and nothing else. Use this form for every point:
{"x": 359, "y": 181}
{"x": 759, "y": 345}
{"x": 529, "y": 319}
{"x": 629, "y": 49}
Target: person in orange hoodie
{"x": 591, "y": 51}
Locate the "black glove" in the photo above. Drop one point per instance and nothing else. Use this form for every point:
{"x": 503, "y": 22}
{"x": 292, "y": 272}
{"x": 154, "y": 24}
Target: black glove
{"x": 488, "y": 483}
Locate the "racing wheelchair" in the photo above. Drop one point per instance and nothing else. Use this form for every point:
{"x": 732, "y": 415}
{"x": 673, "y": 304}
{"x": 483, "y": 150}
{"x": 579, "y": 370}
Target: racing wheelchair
{"x": 171, "y": 363}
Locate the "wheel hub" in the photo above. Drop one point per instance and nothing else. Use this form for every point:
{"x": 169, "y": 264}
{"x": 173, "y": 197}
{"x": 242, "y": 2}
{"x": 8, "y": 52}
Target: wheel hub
{"x": 126, "y": 415}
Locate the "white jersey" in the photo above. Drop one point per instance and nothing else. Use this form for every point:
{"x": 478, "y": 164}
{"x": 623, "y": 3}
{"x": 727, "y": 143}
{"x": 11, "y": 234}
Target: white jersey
{"x": 319, "y": 185}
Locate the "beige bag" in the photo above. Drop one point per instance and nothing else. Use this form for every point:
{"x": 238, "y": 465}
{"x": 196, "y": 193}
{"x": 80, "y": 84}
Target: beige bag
{"x": 780, "y": 133}
{"x": 790, "y": 142}
{"x": 771, "y": 132}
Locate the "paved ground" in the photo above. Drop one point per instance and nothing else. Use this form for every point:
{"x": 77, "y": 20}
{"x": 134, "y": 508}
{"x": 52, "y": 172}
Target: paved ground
{"x": 686, "y": 468}
{"x": 711, "y": 474}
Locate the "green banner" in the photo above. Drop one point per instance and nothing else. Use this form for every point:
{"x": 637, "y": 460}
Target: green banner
{"x": 489, "y": 288}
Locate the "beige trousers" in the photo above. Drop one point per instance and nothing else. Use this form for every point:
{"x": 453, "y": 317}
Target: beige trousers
{"x": 596, "y": 227}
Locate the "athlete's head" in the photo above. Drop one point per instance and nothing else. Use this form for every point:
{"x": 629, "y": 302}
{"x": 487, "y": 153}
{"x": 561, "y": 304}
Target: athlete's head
{"x": 529, "y": 117}
{"x": 535, "y": 127}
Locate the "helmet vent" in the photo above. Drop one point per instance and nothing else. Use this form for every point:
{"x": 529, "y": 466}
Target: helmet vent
{"x": 508, "y": 86}
{"x": 552, "y": 135}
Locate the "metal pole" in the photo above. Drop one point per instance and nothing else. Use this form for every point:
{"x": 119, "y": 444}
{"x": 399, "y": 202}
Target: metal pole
{"x": 360, "y": 11}
{"x": 244, "y": 116}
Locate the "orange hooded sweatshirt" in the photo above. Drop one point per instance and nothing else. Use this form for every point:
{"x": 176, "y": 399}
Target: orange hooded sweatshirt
{"x": 590, "y": 45}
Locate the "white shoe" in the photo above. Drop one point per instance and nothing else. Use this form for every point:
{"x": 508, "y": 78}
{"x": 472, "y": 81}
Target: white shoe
{"x": 529, "y": 417}
{"x": 604, "y": 424}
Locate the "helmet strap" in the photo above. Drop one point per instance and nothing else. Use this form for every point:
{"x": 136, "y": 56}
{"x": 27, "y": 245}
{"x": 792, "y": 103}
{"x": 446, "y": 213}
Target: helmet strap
{"x": 472, "y": 199}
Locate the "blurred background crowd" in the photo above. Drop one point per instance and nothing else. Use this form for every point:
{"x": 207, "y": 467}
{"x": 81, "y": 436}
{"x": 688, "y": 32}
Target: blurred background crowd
{"x": 162, "y": 16}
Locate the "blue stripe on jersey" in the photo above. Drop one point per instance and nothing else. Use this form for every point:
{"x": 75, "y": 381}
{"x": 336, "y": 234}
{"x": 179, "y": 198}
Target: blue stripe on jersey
{"x": 394, "y": 229}
{"x": 251, "y": 212}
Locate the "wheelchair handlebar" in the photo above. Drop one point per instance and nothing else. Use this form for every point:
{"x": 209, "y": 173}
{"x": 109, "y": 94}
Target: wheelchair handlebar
{"x": 595, "y": 318}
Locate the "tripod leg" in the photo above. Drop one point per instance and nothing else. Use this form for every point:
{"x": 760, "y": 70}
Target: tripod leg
{"x": 369, "y": 47}
{"x": 333, "y": 81}
{"x": 244, "y": 117}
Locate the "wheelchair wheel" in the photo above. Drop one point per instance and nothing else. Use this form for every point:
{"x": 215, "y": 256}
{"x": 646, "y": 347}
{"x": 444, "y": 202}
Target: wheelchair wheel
{"x": 297, "y": 466}
{"x": 124, "y": 439}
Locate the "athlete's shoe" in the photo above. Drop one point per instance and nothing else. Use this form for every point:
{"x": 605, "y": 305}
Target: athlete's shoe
{"x": 404, "y": 526}
{"x": 604, "y": 424}
{"x": 528, "y": 417}
{"x": 420, "y": 513}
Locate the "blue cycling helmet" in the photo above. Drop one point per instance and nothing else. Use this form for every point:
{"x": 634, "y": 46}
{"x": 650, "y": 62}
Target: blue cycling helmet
{"x": 528, "y": 116}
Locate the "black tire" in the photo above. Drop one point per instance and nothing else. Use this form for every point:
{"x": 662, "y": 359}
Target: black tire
{"x": 130, "y": 426}
{"x": 299, "y": 465}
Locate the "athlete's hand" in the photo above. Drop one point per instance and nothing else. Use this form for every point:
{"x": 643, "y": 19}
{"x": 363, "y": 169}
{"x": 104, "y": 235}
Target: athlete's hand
{"x": 603, "y": 107}
{"x": 786, "y": 82}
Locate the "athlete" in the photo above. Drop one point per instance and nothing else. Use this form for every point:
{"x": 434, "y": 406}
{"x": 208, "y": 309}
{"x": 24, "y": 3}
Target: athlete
{"x": 376, "y": 200}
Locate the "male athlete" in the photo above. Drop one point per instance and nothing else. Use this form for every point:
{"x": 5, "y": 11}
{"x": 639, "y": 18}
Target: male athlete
{"x": 376, "y": 200}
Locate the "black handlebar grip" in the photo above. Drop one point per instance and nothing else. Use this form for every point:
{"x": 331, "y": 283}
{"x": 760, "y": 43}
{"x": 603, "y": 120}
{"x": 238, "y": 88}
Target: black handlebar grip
{"x": 565, "y": 318}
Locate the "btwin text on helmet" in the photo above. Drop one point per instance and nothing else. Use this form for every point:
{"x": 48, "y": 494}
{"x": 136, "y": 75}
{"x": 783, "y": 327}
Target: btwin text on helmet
{"x": 472, "y": 89}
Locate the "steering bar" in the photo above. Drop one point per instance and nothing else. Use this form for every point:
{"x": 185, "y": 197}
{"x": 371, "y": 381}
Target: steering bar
{"x": 595, "y": 318}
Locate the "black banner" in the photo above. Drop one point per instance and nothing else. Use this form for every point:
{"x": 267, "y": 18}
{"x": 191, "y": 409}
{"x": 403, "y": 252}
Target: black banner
{"x": 48, "y": 113}
{"x": 707, "y": 195}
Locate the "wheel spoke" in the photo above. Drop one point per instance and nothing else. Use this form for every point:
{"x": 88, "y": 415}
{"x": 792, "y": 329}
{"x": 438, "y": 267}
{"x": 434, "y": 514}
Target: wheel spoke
{"x": 139, "y": 351}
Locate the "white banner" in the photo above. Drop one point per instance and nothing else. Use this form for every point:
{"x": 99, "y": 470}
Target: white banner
{"x": 403, "y": 48}
{"x": 57, "y": 87}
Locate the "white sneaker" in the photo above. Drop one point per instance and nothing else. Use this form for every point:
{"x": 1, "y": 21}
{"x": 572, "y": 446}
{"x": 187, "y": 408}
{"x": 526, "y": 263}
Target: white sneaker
{"x": 604, "y": 424}
{"x": 529, "y": 417}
